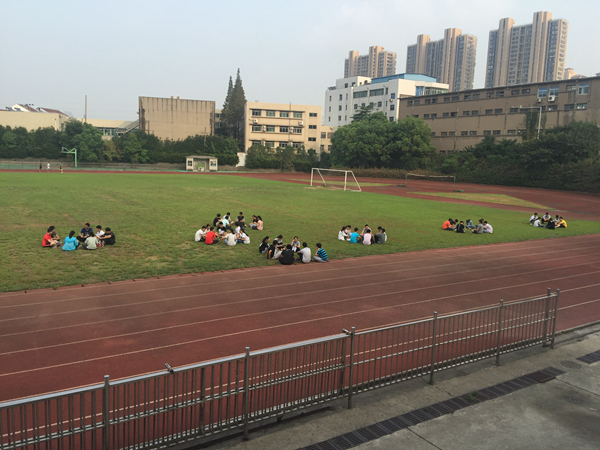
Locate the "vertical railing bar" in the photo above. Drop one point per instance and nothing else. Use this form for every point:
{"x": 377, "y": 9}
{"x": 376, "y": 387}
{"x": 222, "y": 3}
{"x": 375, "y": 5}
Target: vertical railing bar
{"x": 433, "y": 342}
{"x": 106, "y": 413}
{"x": 351, "y": 375}
{"x": 555, "y": 319}
{"x": 246, "y": 391}
{"x": 499, "y": 340}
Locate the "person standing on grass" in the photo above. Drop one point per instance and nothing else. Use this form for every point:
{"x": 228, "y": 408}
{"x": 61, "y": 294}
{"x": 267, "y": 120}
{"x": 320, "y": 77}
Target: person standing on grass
{"x": 286, "y": 257}
{"x": 70, "y": 243}
{"x": 61, "y": 171}
{"x": 304, "y": 255}
{"x": 48, "y": 167}
{"x": 40, "y": 169}
{"x": 321, "y": 255}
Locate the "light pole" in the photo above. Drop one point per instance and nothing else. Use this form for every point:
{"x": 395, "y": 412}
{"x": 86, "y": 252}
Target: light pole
{"x": 539, "y": 116}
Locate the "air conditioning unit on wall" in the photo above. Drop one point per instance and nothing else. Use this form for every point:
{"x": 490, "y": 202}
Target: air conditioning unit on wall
{"x": 539, "y": 100}
{"x": 551, "y": 98}
{"x": 300, "y": 123}
{"x": 255, "y": 121}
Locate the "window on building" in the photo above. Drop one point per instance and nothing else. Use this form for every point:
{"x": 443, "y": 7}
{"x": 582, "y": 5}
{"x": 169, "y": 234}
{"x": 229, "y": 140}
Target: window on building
{"x": 330, "y": 109}
{"x": 323, "y": 135}
{"x": 425, "y": 116}
{"x": 217, "y": 124}
{"x": 511, "y": 132}
{"x": 552, "y": 108}
{"x": 417, "y": 102}
{"x": 284, "y": 130}
{"x": 379, "y": 104}
{"x": 453, "y": 114}
{"x": 499, "y": 93}
{"x": 297, "y": 130}
{"x": 583, "y": 89}
{"x": 296, "y": 144}
{"x": 256, "y": 142}
{"x": 475, "y": 112}
{"x": 393, "y": 95}
{"x": 446, "y": 114}
{"x": 466, "y": 113}
{"x": 322, "y": 146}
{"x": 489, "y": 111}
{"x": 514, "y": 110}
{"x": 270, "y": 144}
{"x": 375, "y": 92}
{"x": 345, "y": 85}
{"x": 466, "y": 97}
{"x": 452, "y": 133}
{"x": 416, "y": 116}
{"x": 444, "y": 134}
{"x": 362, "y": 104}
{"x": 464, "y": 133}
{"x": 270, "y": 114}
{"x": 340, "y": 118}
{"x": 455, "y": 98}
{"x": 329, "y": 146}
{"x": 346, "y": 94}
{"x": 571, "y": 87}
{"x": 434, "y": 100}
{"x": 409, "y": 103}
{"x": 311, "y": 139}
{"x": 360, "y": 94}
{"x": 312, "y": 127}
{"x": 569, "y": 107}
{"x": 256, "y": 112}
{"x": 312, "y": 115}
{"x": 581, "y": 105}
{"x": 356, "y": 106}
{"x": 475, "y": 96}
{"x": 553, "y": 91}
{"x": 487, "y": 132}
{"x": 427, "y": 101}
{"x": 514, "y": 92}
{"x": 297, "y": 115}
{"x": 472, "y": 133}
{"x": 498, "y": 111}
{"x": 392, "y": 107}
{"x": 270, "y": 129}
{"x": 489, "y": 94}
{"x": 329, "y": 119}
{"x": 434, "y": 116}
{"x": 542, "y": 92}
{"x": 284, "y": 114}
{"x": 391, "y": 119}
{"x": 496, "y": 132}
{"x": 433, "y": 134}
{"x": 446, "y": 99}
{"x": 256, "y": 127}
{"x": 340, "y": 108}
{"x": 341, "y": 97}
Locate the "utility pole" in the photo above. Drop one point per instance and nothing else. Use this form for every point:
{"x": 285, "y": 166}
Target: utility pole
{"x": 85, "y": 113}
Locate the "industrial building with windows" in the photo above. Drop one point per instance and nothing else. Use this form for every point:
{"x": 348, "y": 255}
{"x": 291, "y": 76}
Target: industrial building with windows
{"x": 458, "y": 120}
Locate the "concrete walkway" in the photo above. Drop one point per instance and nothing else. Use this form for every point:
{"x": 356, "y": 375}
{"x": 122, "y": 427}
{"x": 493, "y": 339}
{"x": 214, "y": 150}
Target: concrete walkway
{"x": 558, "y": 414}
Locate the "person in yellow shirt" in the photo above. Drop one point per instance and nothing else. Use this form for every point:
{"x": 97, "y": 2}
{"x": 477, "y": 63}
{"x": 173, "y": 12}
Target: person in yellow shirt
{"x": 561, "y": 223}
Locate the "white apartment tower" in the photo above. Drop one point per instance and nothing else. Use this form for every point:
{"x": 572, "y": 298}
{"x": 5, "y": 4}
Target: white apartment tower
{"x": 530, "y": 53}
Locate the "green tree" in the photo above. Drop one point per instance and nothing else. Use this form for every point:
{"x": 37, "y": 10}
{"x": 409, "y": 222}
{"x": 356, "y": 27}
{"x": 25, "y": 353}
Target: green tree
{"x": 232, "y": 116}
{"x": 364, "y": 111}
{"x": 531, "y": 122}
{"x": 133, "y": 150}
{"x": 86, "y": 138}
{"x": 226, "y": 113}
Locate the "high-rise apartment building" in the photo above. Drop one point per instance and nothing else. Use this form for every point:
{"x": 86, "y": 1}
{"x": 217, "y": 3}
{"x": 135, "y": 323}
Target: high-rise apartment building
{"x": 450, "y": 60}
{"x": 378, "y": 63}
{"x": 529, "y": 53}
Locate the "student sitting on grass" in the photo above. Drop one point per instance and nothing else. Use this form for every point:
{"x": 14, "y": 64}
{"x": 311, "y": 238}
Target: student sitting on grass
{"x": 200, "y": 234}
{"x": 538, "y": 223}
{"x": 242, "y": 237}
{"x": 211, "y": 237}
{"x": 85, "y": 232}
{"x": 258, "y": 225}
{"x": 216, "y": 220}
{"x": 321, "y": 255}
{"x": 355, "y": 237}
{"x": 487, "y": 228}
{"x": 99, "y": 234}
{"x": 469, "y": 224}
{"x": 304, "y": 254}
{"x": 264, "y": 245}
{"x": 295, "y": 244}
{"x": 48, "y": 240}
{"x": 71, "y": 242}
{"x": 561, "y": 223}
{"x": 460, "y": 228}
{"x": 343, "y": 235}
{"x": 551, "y": 225}
{"x": 380, "y": 236}
{"x": 273, "y": 252}
{"x": 109, "y": 237}
{"x": 278, "y": 243}
{"x": 91, "y": 243}
{"x": 448, "y": 225}
{"x": 367, "y": 237}
{"x": 230, "y": 239}
{"x": 533, "y": 218}
{"x": 286, "y": 257}
{"x": 479, "y": 228}
{"x": 546, "y": 217}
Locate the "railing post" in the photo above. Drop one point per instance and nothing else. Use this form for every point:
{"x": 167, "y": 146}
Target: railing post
{"x": 546, "y": 317}
{"x": 555, "y": 319}
{"x": 499, "y": 342}
{"x": 246, "y": 391}
{"x": 351, "y": 377}
{"x": 433, "y": 342}
{"x": 106, "y": 413}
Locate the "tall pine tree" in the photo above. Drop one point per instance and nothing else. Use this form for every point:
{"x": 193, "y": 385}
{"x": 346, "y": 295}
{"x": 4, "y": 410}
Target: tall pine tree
{"x": 232, "y": 116}
{"x": 225, "y": 129}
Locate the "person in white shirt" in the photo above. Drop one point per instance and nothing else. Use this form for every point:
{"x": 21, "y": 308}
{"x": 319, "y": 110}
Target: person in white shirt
{"x": 200, "y": 234}
{"x": 230, "y": 238}
{"x": 342, "y": 235}
{"x": 304, "y": 255}
{"x": 242, "y": 238}
{"x": 546, "y": 218}
{"x": 487, "y": 228}
{"x": 533, "y": 218}
{"x": 538, "y": 223}
{"x": 90, "y": 243}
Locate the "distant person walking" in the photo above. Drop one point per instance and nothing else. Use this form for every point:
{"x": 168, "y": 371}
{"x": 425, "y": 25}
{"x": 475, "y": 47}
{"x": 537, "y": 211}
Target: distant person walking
{"x": 48, "y": 167}
{"x": 40, "y": 169}
{"x": 61, "y": 171}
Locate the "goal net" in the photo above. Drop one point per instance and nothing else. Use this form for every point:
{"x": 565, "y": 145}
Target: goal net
{"x": 439, "y": 178}
{"x": 334, "y": 179}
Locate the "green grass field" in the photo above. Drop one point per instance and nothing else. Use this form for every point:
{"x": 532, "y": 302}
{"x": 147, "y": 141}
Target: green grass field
{"x": 155, "y": 217}
{"x": 488, "y": 198}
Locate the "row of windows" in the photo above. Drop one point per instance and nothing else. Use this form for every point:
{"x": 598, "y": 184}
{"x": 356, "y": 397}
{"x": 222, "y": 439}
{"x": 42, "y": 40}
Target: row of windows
{"x": 582, "y": 89}
{"x": 474, "y": 133}
{"x": 489, "y": 112}
{"x": 273, "y": 129}
{"x": 271, "y": 144}
{"x": 271, "y": 113}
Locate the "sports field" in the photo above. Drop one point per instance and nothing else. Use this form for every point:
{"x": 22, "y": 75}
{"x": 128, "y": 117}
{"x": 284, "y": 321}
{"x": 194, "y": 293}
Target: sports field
{"x": 155, "y": 217}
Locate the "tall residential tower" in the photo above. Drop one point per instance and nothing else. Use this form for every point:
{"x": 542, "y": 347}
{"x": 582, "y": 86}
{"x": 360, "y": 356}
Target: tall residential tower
{"x": 450, "y": 60}
{"x": 529, "y": 53}
{"x": 378, "y": 63}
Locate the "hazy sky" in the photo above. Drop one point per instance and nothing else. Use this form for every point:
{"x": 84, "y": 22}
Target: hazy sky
{"x": 53, "y": 53}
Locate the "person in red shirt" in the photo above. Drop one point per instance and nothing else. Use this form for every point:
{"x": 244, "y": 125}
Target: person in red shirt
{"x": 448, "y": 225}
{"x": 48, "y": 240}
{"x": 211, "y": 237}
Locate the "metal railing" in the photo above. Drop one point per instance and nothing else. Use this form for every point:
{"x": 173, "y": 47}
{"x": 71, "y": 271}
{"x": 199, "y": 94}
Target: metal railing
{"x": 187, "y": 403}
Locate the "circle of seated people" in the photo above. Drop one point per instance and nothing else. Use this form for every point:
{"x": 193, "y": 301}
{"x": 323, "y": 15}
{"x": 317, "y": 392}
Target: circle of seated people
{"x": 551, "y": 223}
{"x": 88, "y": 239}
{"x": 461, "y": 227}
{"x": 365, "y": 237}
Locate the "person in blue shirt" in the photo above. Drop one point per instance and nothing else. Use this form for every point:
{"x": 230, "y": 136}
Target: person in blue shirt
{"x": 355, "y": 237}
{"x": 321, "y": 255}
{"x": 70, "y": 243}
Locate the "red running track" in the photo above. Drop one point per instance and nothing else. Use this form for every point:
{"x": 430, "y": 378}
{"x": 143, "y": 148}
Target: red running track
{"x": 58, "y": 339}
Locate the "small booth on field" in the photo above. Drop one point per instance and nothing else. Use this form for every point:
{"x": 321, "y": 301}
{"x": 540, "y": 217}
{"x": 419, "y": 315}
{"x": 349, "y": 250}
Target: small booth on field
{"x": 201, "y": 163}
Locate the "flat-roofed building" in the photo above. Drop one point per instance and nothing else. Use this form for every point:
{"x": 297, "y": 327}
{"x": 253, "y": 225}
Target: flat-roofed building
{"x": 458, "y": 120}
{"x": 176, "y": 118}
{"x": 527, "y": 53}
{"x": 32, "y": 118}
{"x": 111, "y": 128}
{"x": 348, "y": 95}
{"x": 284, "y": 124}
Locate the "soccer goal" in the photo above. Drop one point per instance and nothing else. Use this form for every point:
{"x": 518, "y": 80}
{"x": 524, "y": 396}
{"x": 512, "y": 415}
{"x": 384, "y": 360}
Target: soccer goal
{"x": 446, "y": 178}
{"x": 334, "y": 179}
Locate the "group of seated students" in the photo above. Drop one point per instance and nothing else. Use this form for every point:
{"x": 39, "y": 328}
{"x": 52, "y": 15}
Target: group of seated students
{"x": 461, "y": 227}
{"x": 88, "y": 239}
{"x": 366, "y": 237}
{"x": 551, "y": 224}
{"x": 229, "y": 231}
{"x": 286, "y": 254}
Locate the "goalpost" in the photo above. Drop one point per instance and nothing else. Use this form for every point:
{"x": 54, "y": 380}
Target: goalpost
{"x": 335, "y": 179}
{"x": 415, "y": 176}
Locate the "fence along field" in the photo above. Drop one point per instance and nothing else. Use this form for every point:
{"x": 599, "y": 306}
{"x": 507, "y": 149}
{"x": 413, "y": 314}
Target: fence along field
{"x": 191, "y": 402}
